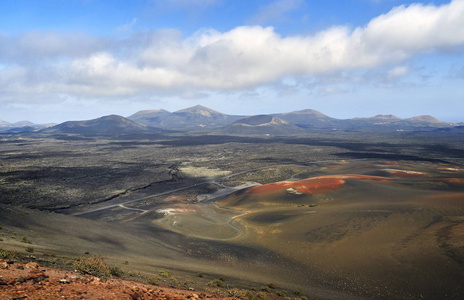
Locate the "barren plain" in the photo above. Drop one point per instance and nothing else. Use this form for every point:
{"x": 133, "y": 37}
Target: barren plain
{"x": 325, "y": 216}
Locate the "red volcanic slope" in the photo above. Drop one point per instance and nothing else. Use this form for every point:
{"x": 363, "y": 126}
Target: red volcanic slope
{"x": 314, "y": 185}
{"x": 451, "y": 180}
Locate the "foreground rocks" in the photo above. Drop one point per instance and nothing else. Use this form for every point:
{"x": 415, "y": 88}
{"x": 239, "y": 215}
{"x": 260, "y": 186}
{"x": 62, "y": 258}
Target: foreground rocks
{"x": 31, "y": 281}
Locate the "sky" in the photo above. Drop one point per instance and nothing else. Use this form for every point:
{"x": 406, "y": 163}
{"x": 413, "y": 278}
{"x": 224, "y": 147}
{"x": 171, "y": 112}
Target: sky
{"x": 82, "y": 59}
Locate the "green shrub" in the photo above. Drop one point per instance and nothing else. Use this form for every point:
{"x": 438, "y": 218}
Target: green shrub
{"x": 30, "y": 250}
{"x": 266, "y": 289}
{"x": 250, "y": 295}
{"x": 271, "y": 286}
{"x": 153, "y": 280}
{"x": 7, "y": 254}
{"x": 165, "y": 273}
{"x": 216, "y": 283}
{"x": 26, "y": 240}
{"x": 96, "y": 266}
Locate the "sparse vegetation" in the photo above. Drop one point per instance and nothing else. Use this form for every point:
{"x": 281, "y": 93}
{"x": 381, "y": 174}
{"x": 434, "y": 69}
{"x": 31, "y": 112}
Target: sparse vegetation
{"x": 153, "y": 280}
{"x": 266, "y": 289}
{"x": 7, "y": 254}
{"x": 165, "y": 274}
{"x": 96, "y": 266}
{"x": 26, "y": 240}
{"x": 30, "y": 250}
{"x": 216, "y": 283}
{"x": 52, "y": 254}
{"x": 253, "y": 295}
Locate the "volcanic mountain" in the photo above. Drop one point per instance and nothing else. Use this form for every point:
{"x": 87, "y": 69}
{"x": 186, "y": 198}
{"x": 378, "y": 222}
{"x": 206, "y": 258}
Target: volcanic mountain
{"x": 107, "y": 125}
{"x": 308, "y": 118}
{"x": 190, "y": 118}
{"x": 391, "y": 122}
{"x": 261, "y": 125}
{"x": 153, "y": 117}
{"x": 21, "y": 126}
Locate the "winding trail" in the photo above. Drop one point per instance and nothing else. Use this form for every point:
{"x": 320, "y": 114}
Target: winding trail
{"x": 211, "y": 181}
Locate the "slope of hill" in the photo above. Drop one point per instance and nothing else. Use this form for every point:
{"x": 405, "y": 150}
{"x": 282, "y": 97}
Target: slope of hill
{"x": 392, "y": 123}
{"x": 308, "y": 118}
{"x": 21, "y": 126}
{"x": 153, "y": 117}
{"x": 4, "y": 123}
{"x": 260, "y": 125}
{"x": 107, "y": 125}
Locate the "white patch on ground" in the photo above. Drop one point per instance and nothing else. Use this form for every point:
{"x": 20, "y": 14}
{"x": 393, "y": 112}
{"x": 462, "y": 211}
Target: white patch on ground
{"x": 203, "y": 172}
{"x": 166, "y": 211}
{"x": 391, "y": 171}
{"x": 293, "y": 191}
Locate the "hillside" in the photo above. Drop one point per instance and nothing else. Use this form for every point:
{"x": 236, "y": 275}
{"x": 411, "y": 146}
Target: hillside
{"x": 153, "y": 117}
{"x": 27, "y": 281}
{"x": 107, "y": 125}
{"x": 260, "y": 125}
{"x": 308, "y": 118}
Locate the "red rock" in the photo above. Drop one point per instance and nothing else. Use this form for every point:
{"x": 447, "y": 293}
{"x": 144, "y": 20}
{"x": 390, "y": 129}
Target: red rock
{"x": 32, "y": 265}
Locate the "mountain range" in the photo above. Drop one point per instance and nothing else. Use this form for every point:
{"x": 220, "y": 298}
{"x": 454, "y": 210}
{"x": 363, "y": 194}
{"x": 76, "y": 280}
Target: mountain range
{"x": 190, "y": 118}
{"x": 202, "y": 119}
{"x": 22, "y": 126}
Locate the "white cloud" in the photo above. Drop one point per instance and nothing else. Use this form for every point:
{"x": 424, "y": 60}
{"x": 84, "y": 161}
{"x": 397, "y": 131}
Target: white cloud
{"x": 127, "y": 27}
{"x": 37, "y": 46}
{"x": 399, "y": 71}
{"x": 242, "y": 58}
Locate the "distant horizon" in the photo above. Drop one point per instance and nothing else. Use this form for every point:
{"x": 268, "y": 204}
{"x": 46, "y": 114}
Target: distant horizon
{"x": 244, "y": 115}
{"x": 79, "y": 60}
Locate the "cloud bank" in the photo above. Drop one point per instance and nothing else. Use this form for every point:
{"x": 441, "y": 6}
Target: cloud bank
{"x": 48, "y": 63}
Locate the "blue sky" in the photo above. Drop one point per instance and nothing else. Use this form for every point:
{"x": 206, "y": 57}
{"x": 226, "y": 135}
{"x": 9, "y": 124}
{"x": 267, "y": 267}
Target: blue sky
{"x": 74, "y": 60}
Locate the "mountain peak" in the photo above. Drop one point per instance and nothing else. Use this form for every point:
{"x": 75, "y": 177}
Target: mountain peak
{"x": 201, "y": 110}
{"x": 106, "y": 125}
{"x": 425, "y": 118}
{"x": 386, "y": 117}
{"x": 151, "y": 111}
{"x": 261, "y": 120}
